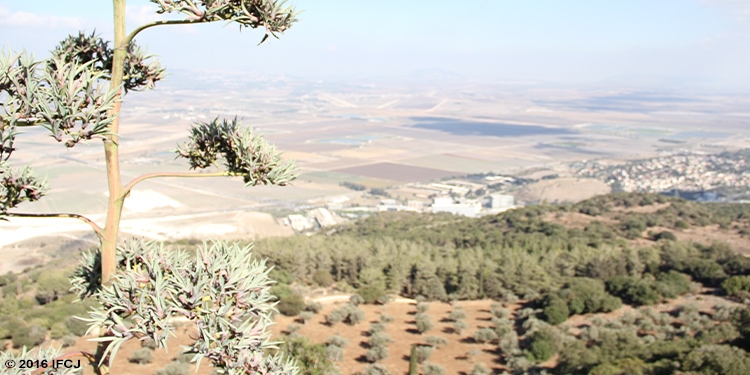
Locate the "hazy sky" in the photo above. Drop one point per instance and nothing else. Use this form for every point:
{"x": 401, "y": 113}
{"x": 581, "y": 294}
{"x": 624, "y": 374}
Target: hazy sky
{"x": 657, "y": 43}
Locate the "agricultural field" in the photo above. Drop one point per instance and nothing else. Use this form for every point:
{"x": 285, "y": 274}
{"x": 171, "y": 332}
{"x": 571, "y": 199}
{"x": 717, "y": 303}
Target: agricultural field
{"x": 379, "y": 136}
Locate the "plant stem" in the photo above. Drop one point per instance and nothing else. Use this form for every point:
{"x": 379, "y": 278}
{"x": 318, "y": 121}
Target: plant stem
{"x": 135, "y": 32}
{"x": 138, "y": 179}
{"x": 114, "y": 181}
{"x": 86, "y": 220}
{"x": 111, "y": 151}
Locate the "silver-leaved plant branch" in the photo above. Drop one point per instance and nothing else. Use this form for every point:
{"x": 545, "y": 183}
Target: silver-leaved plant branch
{"x": 243, "y": 153}
{"x": 75, "y": 94}
{"x": 275, "y": 16}
{"x": 222, "y": 290}
{"x": 141, "y": 70}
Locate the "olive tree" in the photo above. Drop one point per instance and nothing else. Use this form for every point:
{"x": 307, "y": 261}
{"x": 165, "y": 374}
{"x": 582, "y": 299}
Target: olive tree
{"x": 77, "y": 95}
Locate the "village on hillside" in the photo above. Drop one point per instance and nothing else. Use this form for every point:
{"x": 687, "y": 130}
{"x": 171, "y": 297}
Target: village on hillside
{"x": 455, "y": 196}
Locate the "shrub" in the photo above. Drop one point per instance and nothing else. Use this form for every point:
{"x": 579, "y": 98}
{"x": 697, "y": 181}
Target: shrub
{"x": 619, "y": 284}
{"x": 51, "y": 286}
{"x": 337, "y": 340}
{"x": 459, "y": 326}
{"x": 423, "y": 353}
{"x": 457, "y": 314}
{"x": 335, "y": 353}
{"x": 10, "y": 290}
{"x": 68, "y": 341}
{"x": 376, "y": 369}
{"x": 485, "y": 335}
{"x": 500, "y": 312}
{"x": 174, "y": 368}
{"x": 376, "y": 353}
{"x": 7, "y": 278}
{"x": 314, "y": 307}
{"x": 372, "y": 285}
{"x": 354, "y": 315}
{"x": 336, "y": 316}
{"x": 348, "y": 313}
{"x": 27, "y": 335}
{"x": 705, "y": 270}
{"x": 306, "y": 316}
{"x": 639, "y": 292}
{"x": 185, "y": 358}
{"x": 584, "y": 295}
{"x": 149, "y": 343}
{"x": 385, "y": 319}
{"x": 681, "y": 224}
{"x": 422, "y": 307}
{"x": 376, "y": 327}
{"x": 353, "y": 186}
{"x": 291, "y": 305}
{"x": 430, "y": 368}
{"x": 502, "y": 326}
{"x": 643, "y": 293}
{"x": 322, "y": 278}
{"x": 142, "y": 356}
{"x": 736, "y": 284}
{"x": 374, "y": 294}
{"x": 672, "y": 284}
{"x": 543, "y": 345}
{"x": 312, "y": 358}
{"x": 58, "y": 330}
{"x": 717, "y": 359}
{"x": 356, "y": 300}
{"x": 292, "y": 328}
{"x": 436, "y": 341}
{"x": 665, "y": 235}
{"x": 76, "y": 326}
{"x": 424, "y": 323}
{"x": 379, "y": 339}
{"x": 556, "y": 310}
{"x": 480, "y": 369}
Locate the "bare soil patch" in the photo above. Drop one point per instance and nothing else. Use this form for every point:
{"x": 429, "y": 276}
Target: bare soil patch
{"x": 453, "y": 357}
{"x": 643, "y": 209}
{"x": 574, "y": 219}
{"x": 397, "y": 172}
{"x": 563, "y": 190}
{"x": 710, "y": 234}
{"x": 705, "y": 302}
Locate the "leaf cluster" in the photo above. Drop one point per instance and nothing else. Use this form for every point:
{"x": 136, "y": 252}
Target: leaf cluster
{"x": 244, "y": 153}
{"x": 18, "y": 185}
{"x": 273, "y": 15}
{"x": 64, "y": 96}
{"x": 223, "y": 291}
{"x": 141, "y": 71}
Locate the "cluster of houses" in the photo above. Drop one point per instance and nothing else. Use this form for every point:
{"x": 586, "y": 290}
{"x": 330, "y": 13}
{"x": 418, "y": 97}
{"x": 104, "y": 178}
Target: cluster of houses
{"x": 334, "y": 214}
{"x": 494, "y": 203}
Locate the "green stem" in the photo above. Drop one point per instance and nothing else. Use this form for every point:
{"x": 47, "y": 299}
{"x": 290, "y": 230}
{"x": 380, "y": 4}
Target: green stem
{"x": 114, "y": 181}
{"x": 86, "y": 220}
{"x": 135, "y": 32}
{"x": 138, "y": 179}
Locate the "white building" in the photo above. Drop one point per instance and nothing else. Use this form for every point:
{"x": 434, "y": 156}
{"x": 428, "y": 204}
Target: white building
{"x": 446, "y": 204}
{"x": 445, "y": 188}
{"x": 324, "y": 217}
{"x": 501, "y": 201}
{"x": 388, "y": 202}
{"x": 300, "y": 223}
{"x": 417, "y": 205}
{"x": 442, "y": 201}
